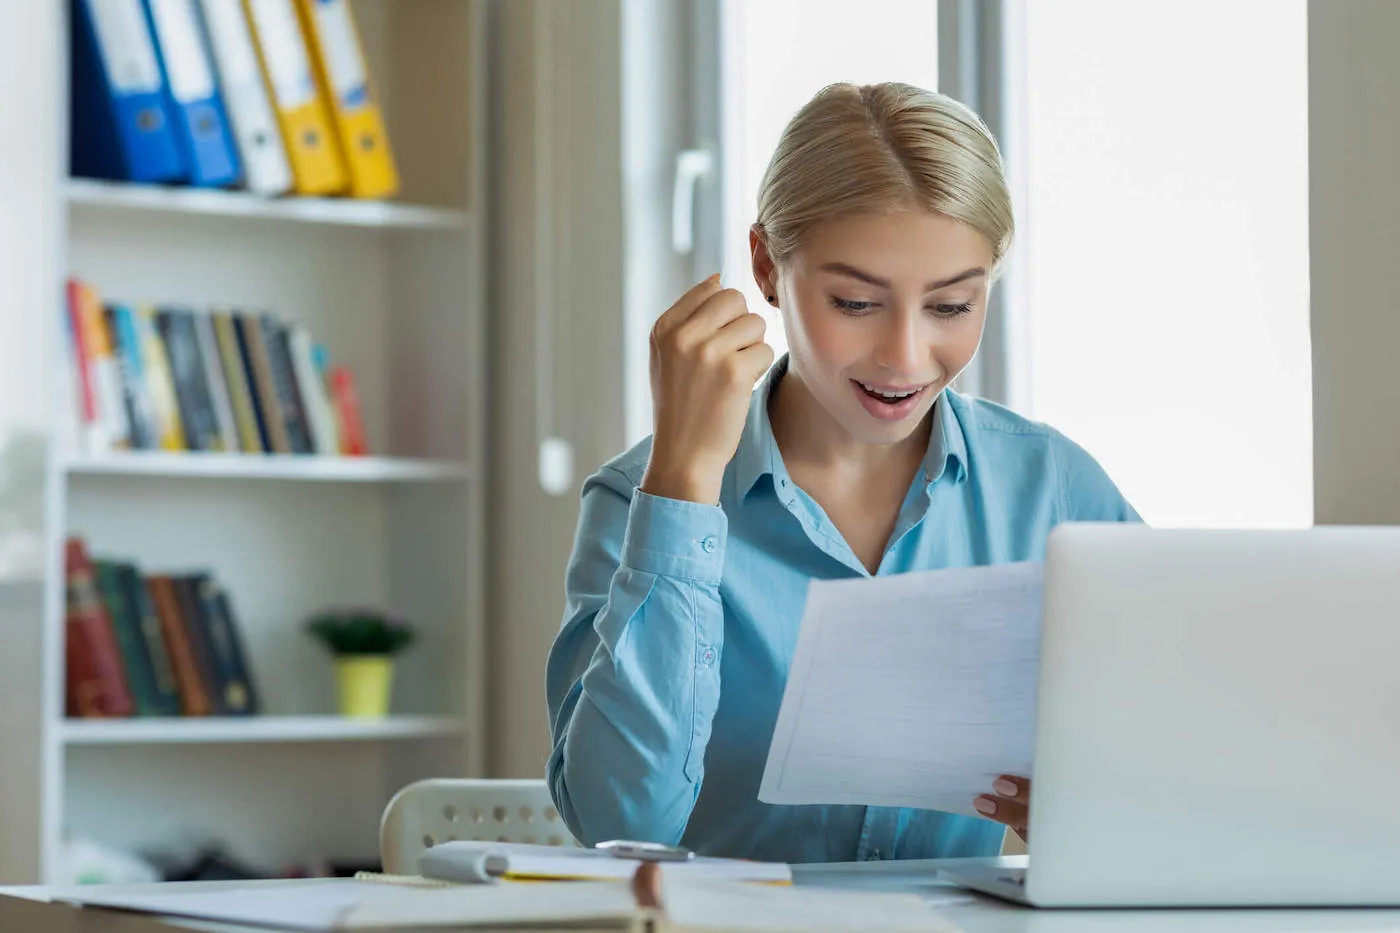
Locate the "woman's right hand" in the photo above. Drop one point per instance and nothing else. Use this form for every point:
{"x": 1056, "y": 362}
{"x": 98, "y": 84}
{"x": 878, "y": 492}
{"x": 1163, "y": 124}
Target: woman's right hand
{"x": 707, "y": 352}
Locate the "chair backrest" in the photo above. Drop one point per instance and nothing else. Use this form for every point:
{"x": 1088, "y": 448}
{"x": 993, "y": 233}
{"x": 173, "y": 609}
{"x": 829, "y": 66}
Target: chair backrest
{"x": 428, "y": 812}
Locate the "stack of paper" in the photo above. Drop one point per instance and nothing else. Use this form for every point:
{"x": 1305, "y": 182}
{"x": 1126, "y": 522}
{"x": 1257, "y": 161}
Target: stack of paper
{"x": 322, "y": 905}
{"x": 688, "y": 906}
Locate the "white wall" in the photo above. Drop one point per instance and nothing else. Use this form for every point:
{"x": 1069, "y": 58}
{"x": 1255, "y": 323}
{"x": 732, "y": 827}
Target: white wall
{"x": 1354, "y": 172}
{"x": 30, "y": 153}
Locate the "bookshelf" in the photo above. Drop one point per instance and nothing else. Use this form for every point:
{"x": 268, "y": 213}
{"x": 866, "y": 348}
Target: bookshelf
{"x": 267, "y": 466}
{"x": 396, "y": 291}
{"x": 256, "y": 729}
{"x": 86, "y": 194}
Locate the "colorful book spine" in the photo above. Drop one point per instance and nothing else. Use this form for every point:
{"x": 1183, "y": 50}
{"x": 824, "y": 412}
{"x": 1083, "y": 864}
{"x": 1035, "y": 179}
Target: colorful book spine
{"x": 96, "y": 682}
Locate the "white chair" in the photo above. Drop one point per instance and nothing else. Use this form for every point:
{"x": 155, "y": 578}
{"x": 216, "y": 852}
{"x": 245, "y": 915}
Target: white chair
{"x": 428, "y": 812}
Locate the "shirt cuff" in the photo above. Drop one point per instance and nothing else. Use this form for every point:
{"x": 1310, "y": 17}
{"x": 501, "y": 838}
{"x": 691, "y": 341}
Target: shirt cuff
{"x": 675, "y": 538}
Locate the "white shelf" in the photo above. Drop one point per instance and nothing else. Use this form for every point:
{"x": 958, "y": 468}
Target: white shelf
{"x": 195, "y": 730}
{"x": 345, "y": 212}
{"x": 265, "y": 466}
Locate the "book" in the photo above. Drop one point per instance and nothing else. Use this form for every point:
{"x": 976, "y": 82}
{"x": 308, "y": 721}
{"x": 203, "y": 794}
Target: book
{"x": 190, "y": 679}
{"x": 126, "y": 626}
{"x": 146, "y": 376}
{"x": 96, "y": 684}
{"x": 168, "y": 642}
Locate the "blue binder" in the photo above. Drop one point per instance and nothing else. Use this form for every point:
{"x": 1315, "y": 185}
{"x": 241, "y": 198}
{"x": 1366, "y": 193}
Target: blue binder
{"x": 192, "y": 94}
{"x": 119, "y": 127}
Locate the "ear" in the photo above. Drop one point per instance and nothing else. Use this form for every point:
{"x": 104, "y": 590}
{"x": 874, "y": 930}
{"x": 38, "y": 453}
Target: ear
{"x": 765, "y": 272}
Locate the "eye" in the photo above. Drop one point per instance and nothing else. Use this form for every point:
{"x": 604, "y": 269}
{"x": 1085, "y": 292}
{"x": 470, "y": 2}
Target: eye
{"x": 953, "y": 310}
{"x": 853, "y": 308}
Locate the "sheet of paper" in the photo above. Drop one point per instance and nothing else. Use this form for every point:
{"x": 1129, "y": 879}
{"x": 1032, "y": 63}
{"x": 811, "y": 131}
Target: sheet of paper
{"x": 317, "y": 904}
{"x": 913, "y": 690}
{"x": 344, "y": 904}
{"x": 706, "y": 905}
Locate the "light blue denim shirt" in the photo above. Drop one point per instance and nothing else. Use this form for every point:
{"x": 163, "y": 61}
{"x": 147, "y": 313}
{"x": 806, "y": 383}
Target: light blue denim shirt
{"x": 665, "y": 679}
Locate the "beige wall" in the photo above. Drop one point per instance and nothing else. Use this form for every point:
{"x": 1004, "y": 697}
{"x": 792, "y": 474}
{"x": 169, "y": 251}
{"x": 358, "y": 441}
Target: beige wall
{"x": 576, "y": 269}
{"x": 1354, "y": 155}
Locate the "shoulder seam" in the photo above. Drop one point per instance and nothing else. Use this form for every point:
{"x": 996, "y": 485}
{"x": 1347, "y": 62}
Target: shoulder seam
{"x": 1025, "y": 426}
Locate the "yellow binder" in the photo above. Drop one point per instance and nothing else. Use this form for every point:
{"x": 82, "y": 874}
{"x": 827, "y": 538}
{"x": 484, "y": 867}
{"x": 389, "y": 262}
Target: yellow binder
{"x": 334, "y": 42}
{"x": 298, "y": 97}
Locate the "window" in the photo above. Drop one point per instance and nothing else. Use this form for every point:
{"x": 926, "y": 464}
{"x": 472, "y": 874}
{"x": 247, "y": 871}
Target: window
{"x": 777, "y": 54}
{"x": 1166, "y": 251}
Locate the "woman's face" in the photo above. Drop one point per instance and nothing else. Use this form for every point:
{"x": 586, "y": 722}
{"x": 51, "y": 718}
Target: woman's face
{"x": 882, "y": 311}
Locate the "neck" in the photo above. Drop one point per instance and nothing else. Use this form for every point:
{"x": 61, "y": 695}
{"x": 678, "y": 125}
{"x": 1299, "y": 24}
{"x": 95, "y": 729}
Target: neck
{"x": 807, "y": 435}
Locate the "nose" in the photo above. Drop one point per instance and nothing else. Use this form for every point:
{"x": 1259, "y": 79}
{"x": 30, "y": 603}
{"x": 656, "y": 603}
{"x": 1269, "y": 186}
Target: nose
{"x": 902, "y": 344}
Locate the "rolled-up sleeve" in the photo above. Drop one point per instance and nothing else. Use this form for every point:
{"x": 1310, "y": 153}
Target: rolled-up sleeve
{"x": 633, "y": 675}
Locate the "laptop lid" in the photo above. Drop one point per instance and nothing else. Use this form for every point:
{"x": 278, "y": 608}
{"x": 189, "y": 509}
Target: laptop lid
{"x": 1218, "y": 718}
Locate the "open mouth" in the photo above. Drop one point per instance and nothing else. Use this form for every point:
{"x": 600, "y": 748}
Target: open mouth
{"x": 889, "y": 403}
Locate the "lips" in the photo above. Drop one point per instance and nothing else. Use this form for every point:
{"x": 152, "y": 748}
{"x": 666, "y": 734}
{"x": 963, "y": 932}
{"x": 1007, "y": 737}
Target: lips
{"x": 892, "y": 393}
{"x": 889, "y": 403}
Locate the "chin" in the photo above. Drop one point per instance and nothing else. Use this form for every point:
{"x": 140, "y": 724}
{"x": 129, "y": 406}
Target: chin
{"x": 868, "y": 430}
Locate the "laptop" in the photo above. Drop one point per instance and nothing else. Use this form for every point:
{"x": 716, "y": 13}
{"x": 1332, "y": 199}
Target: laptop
{"x": 1218, "y": 721}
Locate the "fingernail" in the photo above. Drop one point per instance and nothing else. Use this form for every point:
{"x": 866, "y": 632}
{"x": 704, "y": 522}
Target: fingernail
{"x": 1004, "y": 787}
{"x": 985, "y": 805}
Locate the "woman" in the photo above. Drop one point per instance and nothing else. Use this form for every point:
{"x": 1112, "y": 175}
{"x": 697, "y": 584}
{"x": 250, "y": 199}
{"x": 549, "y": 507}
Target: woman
{"x": 882, "y": 221}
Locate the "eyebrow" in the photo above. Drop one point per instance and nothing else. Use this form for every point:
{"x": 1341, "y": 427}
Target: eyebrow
{"x": 840, "y": 268}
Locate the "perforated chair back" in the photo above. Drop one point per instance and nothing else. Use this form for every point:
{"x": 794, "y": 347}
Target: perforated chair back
{"x": 428, "y": 812}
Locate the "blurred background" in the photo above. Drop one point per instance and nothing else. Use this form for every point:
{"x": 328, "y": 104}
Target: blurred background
{"x": 314, "y": 315}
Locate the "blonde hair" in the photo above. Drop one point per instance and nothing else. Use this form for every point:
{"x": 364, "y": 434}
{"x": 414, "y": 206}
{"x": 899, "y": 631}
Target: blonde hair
{"x": 878, "y": 147}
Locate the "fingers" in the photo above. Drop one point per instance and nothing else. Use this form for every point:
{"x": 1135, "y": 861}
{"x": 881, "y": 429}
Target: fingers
{"x": 717, "y": 311}
{"x": 744, "y": 331}
{"x": 1006, "y": 811}
{"x": 687, "y": 304}
{"x": 1014, "y": 788}
{"x": 755, "y": 360}
{"x": 646, "y": 885}
{"x": 1009, "y": 804}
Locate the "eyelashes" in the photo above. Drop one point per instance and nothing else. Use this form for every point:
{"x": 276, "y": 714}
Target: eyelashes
{"x": 861, "y": 308}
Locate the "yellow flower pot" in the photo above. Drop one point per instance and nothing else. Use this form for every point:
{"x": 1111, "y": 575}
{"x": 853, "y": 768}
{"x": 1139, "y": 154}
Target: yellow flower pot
{"x": 365, "y": 682}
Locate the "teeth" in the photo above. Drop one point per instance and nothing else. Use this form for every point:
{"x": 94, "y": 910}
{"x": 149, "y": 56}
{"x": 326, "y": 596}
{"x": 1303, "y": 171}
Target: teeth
{"x": 875, "y": 391}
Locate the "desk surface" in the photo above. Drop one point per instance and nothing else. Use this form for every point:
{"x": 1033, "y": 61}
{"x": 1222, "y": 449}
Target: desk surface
{"x": 976, "y": 913}
{"x": 28, "y": 909}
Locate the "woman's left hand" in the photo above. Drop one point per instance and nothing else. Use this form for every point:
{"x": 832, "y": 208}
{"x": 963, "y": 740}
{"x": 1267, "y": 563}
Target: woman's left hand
{"x": 1009, "y": 803}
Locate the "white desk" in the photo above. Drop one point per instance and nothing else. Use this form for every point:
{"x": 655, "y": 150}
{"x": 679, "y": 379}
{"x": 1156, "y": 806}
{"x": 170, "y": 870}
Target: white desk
{"x": 27, "y": 909}
{"x": 981, "y": 914}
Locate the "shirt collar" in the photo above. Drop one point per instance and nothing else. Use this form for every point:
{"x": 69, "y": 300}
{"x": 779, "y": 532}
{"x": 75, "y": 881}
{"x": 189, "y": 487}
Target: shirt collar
{"x": 758, "y": 454}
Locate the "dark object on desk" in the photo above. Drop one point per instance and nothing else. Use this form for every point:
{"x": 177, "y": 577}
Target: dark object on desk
{"x": 212, "y": 863}
{"x": 348, "y": 869}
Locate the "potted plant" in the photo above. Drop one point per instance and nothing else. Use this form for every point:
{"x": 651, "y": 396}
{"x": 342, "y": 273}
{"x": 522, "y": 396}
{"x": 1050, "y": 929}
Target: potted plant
{"x": 363, "y": 642}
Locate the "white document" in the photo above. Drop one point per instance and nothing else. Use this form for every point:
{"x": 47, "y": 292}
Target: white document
{"x": 914, "y": 690}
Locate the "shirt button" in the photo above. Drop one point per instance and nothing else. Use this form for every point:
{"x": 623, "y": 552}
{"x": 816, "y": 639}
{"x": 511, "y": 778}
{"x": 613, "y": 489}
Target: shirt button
{"x": 707, "y": 656}
{"x": 710, "y": 544}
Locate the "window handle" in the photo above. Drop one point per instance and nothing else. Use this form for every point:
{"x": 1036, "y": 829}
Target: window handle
{"x": 692, "y": 165}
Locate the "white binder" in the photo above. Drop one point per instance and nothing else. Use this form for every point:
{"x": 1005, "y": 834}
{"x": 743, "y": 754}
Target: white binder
{"x": 265, "y": 166}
